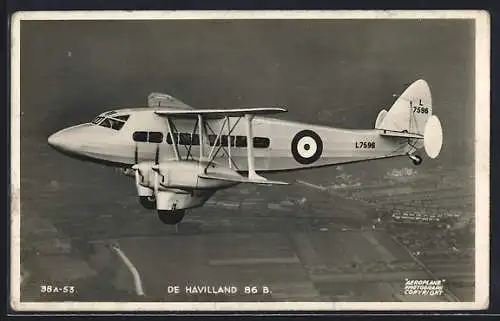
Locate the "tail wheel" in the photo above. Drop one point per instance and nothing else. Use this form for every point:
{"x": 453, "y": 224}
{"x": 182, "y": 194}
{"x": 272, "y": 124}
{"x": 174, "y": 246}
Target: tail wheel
{"x": 148, "y": 202}
{"x": 417, "y": 160}
{"x": 171, "y": 217}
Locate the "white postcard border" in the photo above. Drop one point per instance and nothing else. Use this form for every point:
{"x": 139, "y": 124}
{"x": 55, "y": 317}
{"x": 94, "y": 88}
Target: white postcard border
{"x": 482, "y": 141}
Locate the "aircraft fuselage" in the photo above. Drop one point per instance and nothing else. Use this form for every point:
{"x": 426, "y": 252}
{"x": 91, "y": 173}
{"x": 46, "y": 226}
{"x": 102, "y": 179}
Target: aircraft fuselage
{"x": 279, "y": 145}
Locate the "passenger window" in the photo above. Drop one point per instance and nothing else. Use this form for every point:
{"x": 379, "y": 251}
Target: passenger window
{"x": 241, "y": 141}
{"x": 195, "y": 139}
{"x": 261, "y": 142}
{"x": 140, "y": 136}
{"x": 169, "y": 138}
{"x": 223, "y": 140}
{"x": 185, "y": 139}
{"x": 213, "y": 140}
{"x": 155, "y": 137}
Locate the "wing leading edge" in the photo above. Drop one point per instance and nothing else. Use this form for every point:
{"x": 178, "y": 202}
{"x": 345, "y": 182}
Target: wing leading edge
{"x": 220, "y": 113}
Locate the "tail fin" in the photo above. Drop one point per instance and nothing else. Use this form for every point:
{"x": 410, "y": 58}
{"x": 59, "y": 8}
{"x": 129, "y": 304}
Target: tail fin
{"x": 156, "y": 99}
{"x": 411, "y": 117}
{"x": 410, "y": 111}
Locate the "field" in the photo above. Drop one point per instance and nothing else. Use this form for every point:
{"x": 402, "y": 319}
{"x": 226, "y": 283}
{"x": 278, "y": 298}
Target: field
{"x": 304, "y": 245}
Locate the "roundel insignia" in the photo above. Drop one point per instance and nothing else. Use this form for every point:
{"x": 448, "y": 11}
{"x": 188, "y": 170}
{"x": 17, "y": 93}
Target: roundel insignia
{"x": 307, "y": 147}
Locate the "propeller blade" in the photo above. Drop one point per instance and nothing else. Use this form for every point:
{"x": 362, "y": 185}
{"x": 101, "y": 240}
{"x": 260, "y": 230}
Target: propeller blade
{"x": 137, "y": 179}
{"x": 157, "y": 155}
{"x": 156, "y": 182}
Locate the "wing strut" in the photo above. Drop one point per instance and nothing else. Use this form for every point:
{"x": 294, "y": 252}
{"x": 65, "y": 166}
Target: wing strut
{"x": 217, "y": 142}
{"x": 253, "y": 177}
{"x": 229, "y": 142}
{"x": 202, "y": 136}
{"x": 174, "y": 143}
{"x": 195, "y": 127}
{"x": 221, "y": 146}
{"x": 202, "y": 116}
{"x": 251, "y": 161}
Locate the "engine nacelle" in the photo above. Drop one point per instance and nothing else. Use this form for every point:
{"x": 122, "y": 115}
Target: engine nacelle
{"x": 184, "y": 175}
{"x": 176, "y": 185}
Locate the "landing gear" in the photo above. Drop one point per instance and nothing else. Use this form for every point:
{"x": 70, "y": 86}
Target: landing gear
{"x": 171, "y": 217}
{"x": 417, "y": 160}
{"x": 148, "y": 202}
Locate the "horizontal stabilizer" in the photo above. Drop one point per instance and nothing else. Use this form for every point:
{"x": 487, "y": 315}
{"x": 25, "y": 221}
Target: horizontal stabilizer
{"x": 392, "y": 133}
{"x": 220, "y": 113}
{"x": 240, "y": 179}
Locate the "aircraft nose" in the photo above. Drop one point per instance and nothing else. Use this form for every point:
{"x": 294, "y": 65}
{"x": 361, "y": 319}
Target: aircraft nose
{"x": 58, "y": 140}
{"x": 68, "y": 139}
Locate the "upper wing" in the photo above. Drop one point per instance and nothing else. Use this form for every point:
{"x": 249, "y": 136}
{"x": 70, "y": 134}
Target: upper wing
{"x": 164, "y": 100}
{"x": 219, "y": 113}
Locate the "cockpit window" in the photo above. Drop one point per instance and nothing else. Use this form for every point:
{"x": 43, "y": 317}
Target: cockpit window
{"x": 108, "y": 121}
{"x": 97, "y": 120}
{"x": 116, "y": 124}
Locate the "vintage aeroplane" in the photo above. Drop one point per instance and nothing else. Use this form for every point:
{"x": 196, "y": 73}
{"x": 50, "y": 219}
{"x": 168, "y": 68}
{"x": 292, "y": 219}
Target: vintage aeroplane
{"x": 181, "y": 156}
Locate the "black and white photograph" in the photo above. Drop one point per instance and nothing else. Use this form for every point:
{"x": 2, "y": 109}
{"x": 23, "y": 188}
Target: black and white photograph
{"x": 244, "y": 160}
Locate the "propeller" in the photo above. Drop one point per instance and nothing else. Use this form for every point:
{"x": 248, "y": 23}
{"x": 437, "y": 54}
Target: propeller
{"x": 138, "y": 175}
{"x": 157, "y": 154}
{"x": 156, "y": 169}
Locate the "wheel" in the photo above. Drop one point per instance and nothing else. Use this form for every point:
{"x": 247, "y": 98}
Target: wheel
{"x": 148, "y": 202}
{"x": 417, "y": 160}
{"x": 171, "y": 217}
